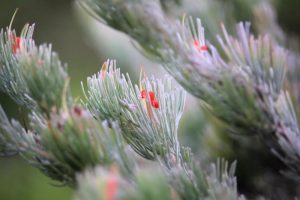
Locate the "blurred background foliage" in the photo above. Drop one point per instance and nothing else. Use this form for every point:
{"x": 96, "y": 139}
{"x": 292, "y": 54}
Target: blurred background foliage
{"x": 84, "y": 45}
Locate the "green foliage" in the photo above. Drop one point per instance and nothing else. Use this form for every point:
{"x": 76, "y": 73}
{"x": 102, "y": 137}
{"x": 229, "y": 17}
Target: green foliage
{"x": 240, "y": 78}
{"x": 151, "y": 185}
{"x": 12, "y": 81}
{"x": 7, "y": 128}
{"x": 43, "y": 72}
{"x": 149, "y": 130}
{"x": 63, "y": 139}
{"x": 101, "y": 150}
{"x": 26, "y": 70}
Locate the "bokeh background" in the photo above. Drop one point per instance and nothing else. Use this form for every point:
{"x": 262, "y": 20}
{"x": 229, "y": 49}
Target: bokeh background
{"x": 84, "y": 44}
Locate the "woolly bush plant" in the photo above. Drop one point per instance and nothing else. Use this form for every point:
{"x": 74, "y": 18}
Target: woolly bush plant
{"x": 99, "y": 145}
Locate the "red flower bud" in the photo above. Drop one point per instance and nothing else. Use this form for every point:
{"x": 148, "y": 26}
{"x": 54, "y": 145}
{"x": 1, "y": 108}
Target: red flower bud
{"x": 196, "y": 43}
{"x": 204, "y": 48}
{"x": 198, "y": 47}
{"x": 111, "y": 187}
{"x": 155, "y": 103}
{"x": 16, "y": 44}
{"x": 151, "y": 96}
{"x": 143, "y": 94}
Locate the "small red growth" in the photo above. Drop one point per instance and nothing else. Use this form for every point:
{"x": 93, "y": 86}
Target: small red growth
{"x": 16, "y": 44}
{"x": 111, "y": 187}
{"x": 204, "y": 48}
{"x": 151, "y": 96}
{"x": 143, "y": 94}
{"x": 155, "y": 103}
{"x": 199, "y": 47}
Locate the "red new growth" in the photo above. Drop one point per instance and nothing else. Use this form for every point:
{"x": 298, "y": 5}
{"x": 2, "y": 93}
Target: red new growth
{"x": 155, "y": 103}
{"x": 16, "y": 44}
{"x": 143, "y": 94}
{"x": 151, "y": 94}
{"x": 111, "y": 187}
{"x": 204, "y": 48}
{"x": 199, "y": 47}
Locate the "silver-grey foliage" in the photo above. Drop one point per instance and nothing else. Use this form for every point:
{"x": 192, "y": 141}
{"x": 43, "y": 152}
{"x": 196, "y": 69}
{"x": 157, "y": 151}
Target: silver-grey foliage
{"x": 241, "y": 77}
{"x": 63, "y": 139}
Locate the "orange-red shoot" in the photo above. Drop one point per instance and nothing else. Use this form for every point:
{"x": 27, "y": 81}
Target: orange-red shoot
{"x": 204, "y": 48}
{"x": 151, "y": 96}
{"x": 111, "y": 188}
{"x": 16, "y": 44}
{"x": 143, "y": 94}
{"x": 154, "y": 102}
{"x": 199, "y": 47}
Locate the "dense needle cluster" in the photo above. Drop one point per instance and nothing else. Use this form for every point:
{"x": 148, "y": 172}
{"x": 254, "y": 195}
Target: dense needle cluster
{"x": 150, "y": 95}
{"x": 121, "y": 140}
